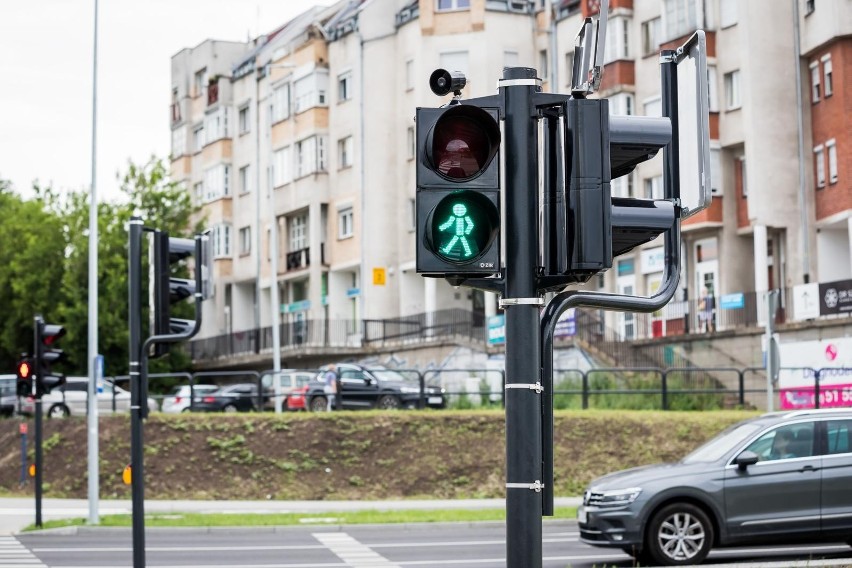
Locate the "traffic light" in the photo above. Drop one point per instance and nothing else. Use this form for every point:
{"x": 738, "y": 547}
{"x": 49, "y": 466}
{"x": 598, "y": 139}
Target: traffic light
{"x": 166, "y": 290}
{"x": 47, "y": 336}
{"x": 24, "y": 370}
{"x": 458, "y": 187}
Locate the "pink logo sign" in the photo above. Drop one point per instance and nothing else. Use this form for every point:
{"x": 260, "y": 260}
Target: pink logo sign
{"x": 831, "y": 352}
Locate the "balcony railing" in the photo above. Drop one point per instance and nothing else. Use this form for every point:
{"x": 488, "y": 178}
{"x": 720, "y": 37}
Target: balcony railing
{"x": 298, "y": 259}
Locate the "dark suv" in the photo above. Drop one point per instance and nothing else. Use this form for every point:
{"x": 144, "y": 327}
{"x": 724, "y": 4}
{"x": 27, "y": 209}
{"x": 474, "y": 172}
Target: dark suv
{"x": 373, "y": 387}
{"x": 782, "y": 477}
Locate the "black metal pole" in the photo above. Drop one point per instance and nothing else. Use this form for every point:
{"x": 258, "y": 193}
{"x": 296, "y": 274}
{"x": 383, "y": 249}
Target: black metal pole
{"x": 37, "y": 350}
{"x": 136, "y": 448}
{"x": 523, "y": 351}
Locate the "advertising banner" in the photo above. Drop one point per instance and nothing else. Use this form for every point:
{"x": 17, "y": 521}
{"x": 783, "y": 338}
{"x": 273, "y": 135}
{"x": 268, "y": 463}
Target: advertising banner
{"x": 799, "y": 362}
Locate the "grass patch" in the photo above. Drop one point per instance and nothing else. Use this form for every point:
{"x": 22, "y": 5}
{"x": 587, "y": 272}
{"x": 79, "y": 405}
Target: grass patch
{"x": 301, "y": 519}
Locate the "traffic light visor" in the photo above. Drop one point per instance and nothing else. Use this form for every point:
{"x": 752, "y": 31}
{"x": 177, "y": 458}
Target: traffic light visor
{"x": 52, "y": 333}
{"x": 463, "y": 142}
{"x": 462, "y": 226}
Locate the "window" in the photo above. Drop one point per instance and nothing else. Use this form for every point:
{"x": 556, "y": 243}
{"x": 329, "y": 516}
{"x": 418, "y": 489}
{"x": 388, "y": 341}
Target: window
{"x": 453, "y": 5}
{"x": 201, "y": 82}
{"x": 198, "y": 191}
{"x": 654, "y": 188}
{"x": 244, "y": 120}
{"x": 282, "y": 171}
{"x": 245, "y": 241}
{"x": 728, "y": 12}
{"x": 617, "y": 40}
{"x": 623, "y": 186}
{"x": 310, "y": 156}
{"x": 178, "y": 142}
{"x": 222, "y": 241}
{"x": 454, "y": 61}
{"x": 217, "y": 182}
{"x": 198, "y": 138}
{"x": 542, "y": 63}
{"x": 621, "y": 104}
{"x": 681, "y": 17}
{"x": 715, "y": 170}
{"x": 409, "y": 74}
{"x": 814, "y": 82}
{"x": 732, "y": 90}
{"x": 244, "y": 183}
{"x": 839, "y": 434}
{"x": 826, "y": 71}
{"x": 785, "y": 442}
{"x": 411, "y": 142}
{"x": 310, "y": 91}
{"x": 344, "y": 87}
{"x": 344, "y": 223}
{"x": 650, "y": 36}
{"x": 743, "y": 175}
{"x": 510, "y": 58}
{"x": 569, "y": 68}
{"x": 809, "y": 7}
{"x": 712, "y": 88}
{"x": 280, "y": 107}
{"x": 831, "y": 148}
{"x": 653, "y": 107}
{"x": 216, "y": 125}
{"x": 298, "y": 233}
{"x": 344, "y": 152}
{"x": 819, "y": 162}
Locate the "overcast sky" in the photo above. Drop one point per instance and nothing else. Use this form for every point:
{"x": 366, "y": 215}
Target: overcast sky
{"x": 46, "y": 49}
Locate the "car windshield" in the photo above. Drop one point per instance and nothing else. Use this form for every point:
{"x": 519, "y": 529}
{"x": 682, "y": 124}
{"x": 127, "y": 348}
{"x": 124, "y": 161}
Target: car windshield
{"x": 716, "y": 448}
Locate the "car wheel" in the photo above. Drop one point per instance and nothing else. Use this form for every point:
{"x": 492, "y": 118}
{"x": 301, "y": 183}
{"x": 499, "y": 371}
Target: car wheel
{"x": 229, "y": 408}
{"x": 319, "y": 404}
{"x": 679, "y": 534}
{"x": 389, "y": 402}
{"x": 58, "y": 411}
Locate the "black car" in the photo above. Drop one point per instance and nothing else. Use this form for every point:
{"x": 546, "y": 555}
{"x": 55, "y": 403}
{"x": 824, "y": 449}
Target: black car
{"x": 373, "y": 387}
{"x": 241, "y": 397}
{"x": 784, "y": 477}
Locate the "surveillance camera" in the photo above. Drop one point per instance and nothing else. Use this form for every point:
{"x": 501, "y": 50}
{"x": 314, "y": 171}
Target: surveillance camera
{"x": 443, "y": 82}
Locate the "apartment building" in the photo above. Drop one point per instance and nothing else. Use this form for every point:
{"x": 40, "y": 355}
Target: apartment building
{"x": 307, "y": 133}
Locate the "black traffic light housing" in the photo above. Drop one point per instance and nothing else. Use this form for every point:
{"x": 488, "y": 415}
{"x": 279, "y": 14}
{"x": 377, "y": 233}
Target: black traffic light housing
{"x": 47, "y": 336}
{"x": 458, "y": 190}
{"x": 24, "y": 371}
{"x": 166, "y": 290}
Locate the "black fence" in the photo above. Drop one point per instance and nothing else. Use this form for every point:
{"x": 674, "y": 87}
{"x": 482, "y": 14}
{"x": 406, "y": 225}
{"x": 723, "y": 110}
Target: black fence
{"x": 357, "y": 387}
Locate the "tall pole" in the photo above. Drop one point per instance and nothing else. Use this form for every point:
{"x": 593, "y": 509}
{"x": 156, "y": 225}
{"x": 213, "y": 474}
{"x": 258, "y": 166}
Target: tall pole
{"x": 523, "y": 342}
{"x": 804, "y": 217}
{"x": 38, "y": 416}
{"x": 136, "y": 466}
{"x": 93, "y": 298}
{"x": 273, "y": 290}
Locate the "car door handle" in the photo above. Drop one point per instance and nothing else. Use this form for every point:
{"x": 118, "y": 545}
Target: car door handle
{"x": 809, "y": 468}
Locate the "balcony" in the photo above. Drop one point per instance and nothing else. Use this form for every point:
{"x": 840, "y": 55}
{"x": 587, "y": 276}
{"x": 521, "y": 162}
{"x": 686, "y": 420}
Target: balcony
{"x": 298, "y": 259}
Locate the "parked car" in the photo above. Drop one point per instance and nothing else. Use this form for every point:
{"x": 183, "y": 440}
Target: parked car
{"x": 782, "y": 477}
{"x": 291, "y": 383}
{"x": 178, "y": 399}
{"x": 240, "y": 397}
{"x": 372, "y": 387}
{"x": 8, "y": 394}
{"x": 71, "y": 399}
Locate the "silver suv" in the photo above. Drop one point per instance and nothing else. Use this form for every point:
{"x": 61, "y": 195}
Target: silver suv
{"x": 782, "y": 477}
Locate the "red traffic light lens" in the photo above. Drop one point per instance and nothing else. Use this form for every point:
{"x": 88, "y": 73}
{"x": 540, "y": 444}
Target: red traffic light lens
{"x": 464, "y": 141}
{"x": 24, "y": 369}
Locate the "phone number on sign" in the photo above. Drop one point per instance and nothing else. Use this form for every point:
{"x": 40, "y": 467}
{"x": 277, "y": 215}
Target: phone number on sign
{"x": 835, "y": 395}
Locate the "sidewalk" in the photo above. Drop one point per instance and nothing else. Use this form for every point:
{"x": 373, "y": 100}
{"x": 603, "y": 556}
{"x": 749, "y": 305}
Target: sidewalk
{"x": 17, "y": 513}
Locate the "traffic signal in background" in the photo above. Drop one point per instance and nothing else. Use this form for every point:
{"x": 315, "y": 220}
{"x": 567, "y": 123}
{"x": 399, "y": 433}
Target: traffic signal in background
{"x": 24, "y": 370}
{"x": 458, "y": 186}
{"x": 47, "y": 337}
{"x": 166, "y": 290}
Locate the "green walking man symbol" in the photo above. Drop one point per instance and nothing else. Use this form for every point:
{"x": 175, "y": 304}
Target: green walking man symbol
{"x": 463, "y": 227}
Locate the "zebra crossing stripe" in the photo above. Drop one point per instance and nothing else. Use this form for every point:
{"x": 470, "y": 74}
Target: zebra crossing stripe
{"x": 352, "y": 552}
{"x": 13, "y": 554}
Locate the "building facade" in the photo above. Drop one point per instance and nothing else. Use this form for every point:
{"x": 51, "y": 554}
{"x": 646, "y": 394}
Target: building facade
{"x": 307, "y": 133}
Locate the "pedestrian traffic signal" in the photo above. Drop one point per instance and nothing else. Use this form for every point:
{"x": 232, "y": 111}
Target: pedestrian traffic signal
{"x": 47, "y": 336}
{"x": 166, "y": 290}
{"x": 458, "y": 187}
{"x": 24, "y": 370}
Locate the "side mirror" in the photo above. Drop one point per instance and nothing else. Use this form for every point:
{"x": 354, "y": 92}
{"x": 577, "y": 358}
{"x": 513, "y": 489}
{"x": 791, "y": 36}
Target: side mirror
{"x": 746, "y": 459}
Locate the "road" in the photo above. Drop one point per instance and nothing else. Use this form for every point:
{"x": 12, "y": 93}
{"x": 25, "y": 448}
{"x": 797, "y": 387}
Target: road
{"x": 450, "y": 545}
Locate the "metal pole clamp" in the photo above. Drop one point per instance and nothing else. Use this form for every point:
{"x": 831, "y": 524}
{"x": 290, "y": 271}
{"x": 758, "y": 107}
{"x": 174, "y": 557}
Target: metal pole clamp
{"x": 537, "y": 486}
